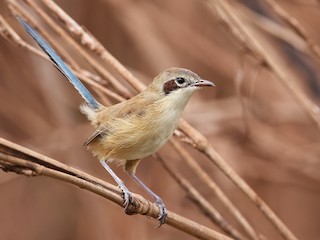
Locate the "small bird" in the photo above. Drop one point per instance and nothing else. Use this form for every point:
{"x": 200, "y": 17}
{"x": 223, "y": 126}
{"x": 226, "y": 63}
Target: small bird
{"x": 136, "y": 128}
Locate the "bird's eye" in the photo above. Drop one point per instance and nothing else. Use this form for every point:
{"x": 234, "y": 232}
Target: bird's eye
{"x": 180, "y": 80}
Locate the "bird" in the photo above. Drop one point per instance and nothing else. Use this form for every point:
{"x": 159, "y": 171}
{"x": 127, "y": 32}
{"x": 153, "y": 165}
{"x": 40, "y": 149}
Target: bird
{"x": 133, "y": 129}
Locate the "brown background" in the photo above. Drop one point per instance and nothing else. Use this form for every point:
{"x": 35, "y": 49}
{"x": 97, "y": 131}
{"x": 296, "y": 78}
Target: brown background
{"x": 275, "y": 148}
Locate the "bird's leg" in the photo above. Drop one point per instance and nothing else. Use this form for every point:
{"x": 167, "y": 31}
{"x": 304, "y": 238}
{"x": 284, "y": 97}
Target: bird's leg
{"x": 163, "y": 210}
{"x": 127, "y": 195}
{"x": 130, "y": 167}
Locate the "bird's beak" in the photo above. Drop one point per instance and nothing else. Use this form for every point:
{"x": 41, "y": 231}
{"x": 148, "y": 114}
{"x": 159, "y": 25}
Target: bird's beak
{"x": 203, "y": 83}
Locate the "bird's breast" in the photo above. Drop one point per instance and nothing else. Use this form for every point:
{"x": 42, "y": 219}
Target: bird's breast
{"x": 160, "y": 129}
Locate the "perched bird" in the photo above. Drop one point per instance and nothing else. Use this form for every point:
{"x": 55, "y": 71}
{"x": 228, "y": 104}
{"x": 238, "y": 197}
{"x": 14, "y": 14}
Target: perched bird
{"x": 136, "y": 128}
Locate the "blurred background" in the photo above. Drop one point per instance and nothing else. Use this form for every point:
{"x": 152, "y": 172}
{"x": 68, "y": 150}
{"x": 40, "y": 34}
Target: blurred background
{"x": 250, "y": 118}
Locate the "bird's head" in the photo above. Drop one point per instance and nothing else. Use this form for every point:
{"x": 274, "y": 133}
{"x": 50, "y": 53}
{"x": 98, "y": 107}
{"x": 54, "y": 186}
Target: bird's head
{"x": 177, "y": 84}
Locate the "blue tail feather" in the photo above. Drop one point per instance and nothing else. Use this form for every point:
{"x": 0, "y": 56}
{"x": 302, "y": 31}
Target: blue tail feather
{"x": 63, "y": 68}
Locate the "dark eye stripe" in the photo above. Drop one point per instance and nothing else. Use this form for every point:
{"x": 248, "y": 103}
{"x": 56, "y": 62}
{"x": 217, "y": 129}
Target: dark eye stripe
{"x": 170, "y": 86}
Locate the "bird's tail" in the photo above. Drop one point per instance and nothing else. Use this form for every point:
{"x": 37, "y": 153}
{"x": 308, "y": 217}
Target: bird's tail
{"x": 62, "y": 67}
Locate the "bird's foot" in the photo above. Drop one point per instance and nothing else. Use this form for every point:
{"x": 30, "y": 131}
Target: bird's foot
{"x": 127, "y": 197}
{"x": 163, "y": 211}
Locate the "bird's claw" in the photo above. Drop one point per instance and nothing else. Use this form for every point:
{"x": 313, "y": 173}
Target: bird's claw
{"x": 163, "y": 213}
{"x": 127, "y": 197}
{"x": 128, "y": 200}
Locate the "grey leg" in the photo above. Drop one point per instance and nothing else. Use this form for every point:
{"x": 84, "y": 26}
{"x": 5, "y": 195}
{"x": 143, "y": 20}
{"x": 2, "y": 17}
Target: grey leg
{"x": 163, "y": 210}
{"x": 127, "y": 196}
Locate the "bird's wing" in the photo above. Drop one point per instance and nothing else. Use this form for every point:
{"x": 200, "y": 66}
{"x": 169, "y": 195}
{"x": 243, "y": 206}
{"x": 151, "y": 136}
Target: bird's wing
{"x": 98, "y": 133}
{"x": 93, "y": 136}
{"x": 120, "y": 120}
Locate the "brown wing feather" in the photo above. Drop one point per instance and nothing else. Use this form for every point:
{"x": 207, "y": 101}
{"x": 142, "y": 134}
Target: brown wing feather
{"x": 120, "y": 111}
{"x": 97, "y": 133}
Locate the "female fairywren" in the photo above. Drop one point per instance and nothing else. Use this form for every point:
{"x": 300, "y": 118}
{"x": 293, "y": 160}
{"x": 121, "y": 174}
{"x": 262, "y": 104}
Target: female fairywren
{"x": 136, "y": 128}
